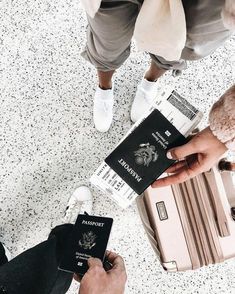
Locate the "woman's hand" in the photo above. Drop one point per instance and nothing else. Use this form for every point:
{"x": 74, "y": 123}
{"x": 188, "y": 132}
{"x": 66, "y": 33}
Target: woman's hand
{"x": 195, "y": 157}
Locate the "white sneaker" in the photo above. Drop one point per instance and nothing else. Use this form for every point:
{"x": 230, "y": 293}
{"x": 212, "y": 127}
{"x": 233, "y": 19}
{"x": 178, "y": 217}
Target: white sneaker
{"x": 79, "y": 203}
{"x": 145, "y": 95}
{"x": 103, "y": 109}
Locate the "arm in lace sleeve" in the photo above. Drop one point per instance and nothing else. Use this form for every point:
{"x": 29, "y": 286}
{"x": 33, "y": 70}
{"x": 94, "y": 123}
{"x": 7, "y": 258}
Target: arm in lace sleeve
{"x": 222, "y": 118}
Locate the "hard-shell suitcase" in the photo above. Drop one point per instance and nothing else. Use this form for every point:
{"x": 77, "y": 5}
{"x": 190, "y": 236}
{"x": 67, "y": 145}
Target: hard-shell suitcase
{"x": 190, "y": 225}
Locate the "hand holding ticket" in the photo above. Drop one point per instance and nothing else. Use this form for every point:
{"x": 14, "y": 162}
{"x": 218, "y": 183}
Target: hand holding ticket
{"x": 140, "y": 158}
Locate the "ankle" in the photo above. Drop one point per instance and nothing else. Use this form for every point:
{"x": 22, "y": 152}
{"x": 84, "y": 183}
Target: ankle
{"x": 105, "y": 86}
{"x": 105, "y": 79}
{"x": 154, "y": 72}
{"x": 151, "y": 77}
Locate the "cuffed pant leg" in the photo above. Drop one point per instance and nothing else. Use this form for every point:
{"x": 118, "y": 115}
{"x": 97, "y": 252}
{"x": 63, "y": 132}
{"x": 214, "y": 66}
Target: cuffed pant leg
{"x": 205, "y": 33}
{"x": 205, "y": 28}
{"x": 109, "y": 34}
{"x": 168, "y": 65}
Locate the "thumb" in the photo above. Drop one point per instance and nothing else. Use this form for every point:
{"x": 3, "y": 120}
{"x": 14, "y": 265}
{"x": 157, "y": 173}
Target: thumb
{"x": 181, "y": 151}
{"x": 93, "y": 262}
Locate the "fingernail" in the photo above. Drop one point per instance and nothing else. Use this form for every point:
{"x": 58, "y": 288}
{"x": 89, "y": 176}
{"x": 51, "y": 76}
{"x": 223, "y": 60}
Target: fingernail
{"x": 168, "y": 155}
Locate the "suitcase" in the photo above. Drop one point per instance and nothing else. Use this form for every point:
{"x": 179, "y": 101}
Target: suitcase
{"x": 192, "y": 224}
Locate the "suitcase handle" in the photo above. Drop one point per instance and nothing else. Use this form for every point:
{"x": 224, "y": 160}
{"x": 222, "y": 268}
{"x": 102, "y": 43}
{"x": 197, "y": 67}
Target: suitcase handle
{"x": 225, "y": 165}
{"x": 220, "y": 216}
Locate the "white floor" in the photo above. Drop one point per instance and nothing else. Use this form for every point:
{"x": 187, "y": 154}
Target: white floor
{"x": 49, "y": 145}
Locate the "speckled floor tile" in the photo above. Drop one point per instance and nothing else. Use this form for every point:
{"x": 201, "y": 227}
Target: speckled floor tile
{"x": 49, "y": 145}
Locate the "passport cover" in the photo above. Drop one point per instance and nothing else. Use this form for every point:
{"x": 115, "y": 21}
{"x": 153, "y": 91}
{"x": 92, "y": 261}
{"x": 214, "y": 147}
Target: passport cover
{"x": 141, "y": 158}
{"x": 89, "y": 239}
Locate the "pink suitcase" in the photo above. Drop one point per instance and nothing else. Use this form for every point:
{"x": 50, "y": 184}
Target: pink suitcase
{"x": 190, "y": 225}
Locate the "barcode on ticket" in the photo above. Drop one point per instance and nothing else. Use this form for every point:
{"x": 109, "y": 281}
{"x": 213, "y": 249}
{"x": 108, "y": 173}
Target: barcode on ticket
{"x": 179, "y": 112}
{"x": 182, "y": 105}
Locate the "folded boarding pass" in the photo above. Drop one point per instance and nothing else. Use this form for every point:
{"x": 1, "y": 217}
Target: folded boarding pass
{"x": 140, "y": 157}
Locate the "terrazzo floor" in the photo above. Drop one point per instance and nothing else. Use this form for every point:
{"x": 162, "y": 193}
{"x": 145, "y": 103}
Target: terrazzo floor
{"x": 49, "y": 145}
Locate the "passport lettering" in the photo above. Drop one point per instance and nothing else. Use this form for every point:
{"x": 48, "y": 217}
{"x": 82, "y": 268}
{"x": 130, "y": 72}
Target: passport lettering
{"x": 130, "y": 170}
{"x": 90, "y": 223}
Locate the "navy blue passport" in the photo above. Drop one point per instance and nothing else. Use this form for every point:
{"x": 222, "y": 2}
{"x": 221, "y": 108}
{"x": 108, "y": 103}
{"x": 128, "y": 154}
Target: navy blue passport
{"x": 89, "y": 239}
{"x": 141, "y": 158}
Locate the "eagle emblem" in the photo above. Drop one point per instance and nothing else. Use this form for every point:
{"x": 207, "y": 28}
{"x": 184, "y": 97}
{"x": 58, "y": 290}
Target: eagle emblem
{"x": 145, "y": 154}
{"x": 88, "y": 240}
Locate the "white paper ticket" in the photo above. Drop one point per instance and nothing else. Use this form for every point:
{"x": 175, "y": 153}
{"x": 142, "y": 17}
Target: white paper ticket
{"x": 109, "y": 182}
{"x": 183, "y": 116}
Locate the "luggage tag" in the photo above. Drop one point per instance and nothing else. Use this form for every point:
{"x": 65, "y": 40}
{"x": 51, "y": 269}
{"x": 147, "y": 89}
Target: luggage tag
{"x": 89, "y": 238}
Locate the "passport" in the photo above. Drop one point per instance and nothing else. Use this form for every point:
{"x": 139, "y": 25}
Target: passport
{"x": 89, "y": 238}
{"x": 141, "y": 157}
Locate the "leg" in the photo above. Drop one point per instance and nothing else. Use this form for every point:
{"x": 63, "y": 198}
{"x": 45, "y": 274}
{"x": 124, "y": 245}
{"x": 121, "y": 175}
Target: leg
{"x": 148, "y": 87}
{"x": 105, "y": 79}
{"x": 109, "y": 35}
{"x": 205, "y": 28}
{"x": 205, "y": 32}
{"x": 108, "y": 46}
{"x": 35, "y": 271}
{"x": 154, "y": 72}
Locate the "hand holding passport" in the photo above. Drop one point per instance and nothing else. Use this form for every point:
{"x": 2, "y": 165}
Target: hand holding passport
{"x": 97, "y": 280}
{"x": 89, "y": 239}
{"x": 140, "y": 158}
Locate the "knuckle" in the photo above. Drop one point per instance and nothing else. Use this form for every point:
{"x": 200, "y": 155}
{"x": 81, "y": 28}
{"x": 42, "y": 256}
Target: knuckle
{"x": 180, "y": 177}
{"x": 120, "y": 259}
{"x": 193, "y": 143}
{"x": 188, "y": 173}
{"x": 96, "y": 269}
{"x": 190, "y": 170}
{"x": 175, "y": 153}
{"x": 203, "y": 169}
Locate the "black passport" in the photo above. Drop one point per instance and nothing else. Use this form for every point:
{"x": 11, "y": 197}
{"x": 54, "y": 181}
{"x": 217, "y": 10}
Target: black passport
{"x": 141, "y": 158}
{"x": 89, "y": 239}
